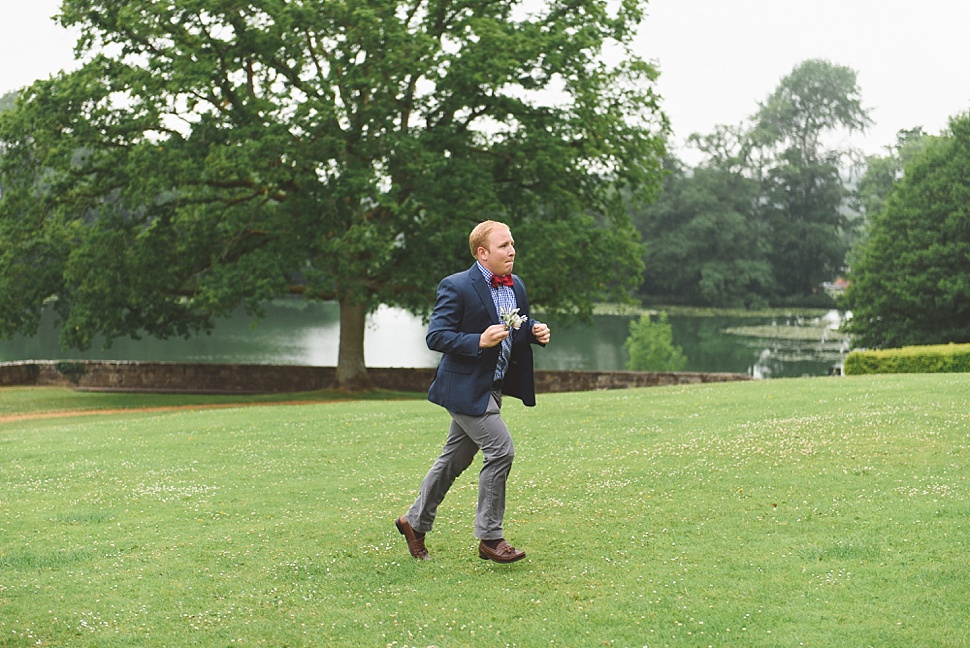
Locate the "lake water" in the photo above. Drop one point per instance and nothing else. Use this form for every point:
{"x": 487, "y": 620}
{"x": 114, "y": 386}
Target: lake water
{"x": 296, "y": 333}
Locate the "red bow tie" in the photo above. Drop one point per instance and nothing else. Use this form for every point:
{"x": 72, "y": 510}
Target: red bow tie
{"x": 504, "y": 280}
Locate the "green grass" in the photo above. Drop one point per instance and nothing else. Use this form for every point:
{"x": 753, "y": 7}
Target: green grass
{"x": 816, "y": 512}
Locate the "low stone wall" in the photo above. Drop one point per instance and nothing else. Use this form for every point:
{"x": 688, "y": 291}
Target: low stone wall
{"x": 19, "y": 373}
{"x": 202, "y": 378}
{"x": 568, "y": 381}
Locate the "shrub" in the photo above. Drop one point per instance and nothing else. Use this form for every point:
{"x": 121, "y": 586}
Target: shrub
{"x": 940, "y": 358}
{"x": 651, "y": 346}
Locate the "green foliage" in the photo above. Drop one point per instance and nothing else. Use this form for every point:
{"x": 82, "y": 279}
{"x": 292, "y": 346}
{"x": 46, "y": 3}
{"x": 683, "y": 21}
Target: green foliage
{"x": 702, "y": 242}
{"x": 944, "y": 358}
{"x": 8, "y": 101}
{"x": 882, "y": 172}
{"x": 816, "y": 98}
{"x": 213, "y": 154}
{"x": 763, "y": 219}
{"x": 910, "y": 285}
{"x": 803, "y": 190}
{"x": 804, "y": 222}
{"x": 651, "y": 346}
{"x": 829, "y": 512}
{"x": 881, "y": 175}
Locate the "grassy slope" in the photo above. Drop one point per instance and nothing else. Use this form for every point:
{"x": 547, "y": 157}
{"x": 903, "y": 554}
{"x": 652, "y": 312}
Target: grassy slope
{"x": 821, "y": 511}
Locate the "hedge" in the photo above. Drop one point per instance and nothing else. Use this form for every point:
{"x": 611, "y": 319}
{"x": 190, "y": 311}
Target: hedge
{"x": 940, "y": 358}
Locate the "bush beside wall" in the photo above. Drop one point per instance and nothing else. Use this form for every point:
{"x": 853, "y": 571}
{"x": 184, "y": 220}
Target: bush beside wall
{"x": 941, "y": 358}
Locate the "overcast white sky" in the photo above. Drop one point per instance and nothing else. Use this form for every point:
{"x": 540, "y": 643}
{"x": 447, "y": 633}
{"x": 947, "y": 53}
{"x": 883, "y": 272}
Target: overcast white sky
{"x": 718, "y": 58}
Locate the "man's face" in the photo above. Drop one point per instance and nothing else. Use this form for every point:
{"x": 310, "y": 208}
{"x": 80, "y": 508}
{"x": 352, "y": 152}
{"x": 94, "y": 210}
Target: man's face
{"x": 499, "y": 256}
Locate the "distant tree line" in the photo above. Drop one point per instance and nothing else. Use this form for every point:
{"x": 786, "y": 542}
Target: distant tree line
{"x": 772, "y": 213}
{"x": 766, "y": 217}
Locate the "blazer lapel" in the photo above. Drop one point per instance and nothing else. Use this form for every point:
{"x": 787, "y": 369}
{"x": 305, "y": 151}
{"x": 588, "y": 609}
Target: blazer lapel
{"x": 520, "y": 298}
{"x": 484, "y": 292}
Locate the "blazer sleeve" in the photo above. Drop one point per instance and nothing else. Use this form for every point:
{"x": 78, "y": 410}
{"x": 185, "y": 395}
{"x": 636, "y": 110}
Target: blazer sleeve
{"x": 445, "y": 330}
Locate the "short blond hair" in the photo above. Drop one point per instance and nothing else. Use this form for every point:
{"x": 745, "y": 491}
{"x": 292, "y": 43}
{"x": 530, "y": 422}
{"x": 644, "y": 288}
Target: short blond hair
{"x": 479, "y": 236}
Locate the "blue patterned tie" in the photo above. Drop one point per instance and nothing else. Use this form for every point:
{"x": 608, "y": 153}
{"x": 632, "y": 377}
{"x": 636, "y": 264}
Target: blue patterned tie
{"x": 503, "y": 357}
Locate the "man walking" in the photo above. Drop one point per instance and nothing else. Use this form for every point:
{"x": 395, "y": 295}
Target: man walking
{"x": 480, "y": 323}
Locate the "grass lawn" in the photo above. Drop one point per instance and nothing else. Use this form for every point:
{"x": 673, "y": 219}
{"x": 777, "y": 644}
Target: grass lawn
{"x": 810, "y": 511}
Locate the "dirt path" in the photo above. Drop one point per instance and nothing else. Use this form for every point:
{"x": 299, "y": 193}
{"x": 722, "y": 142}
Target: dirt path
{"x": 30, "y": 416}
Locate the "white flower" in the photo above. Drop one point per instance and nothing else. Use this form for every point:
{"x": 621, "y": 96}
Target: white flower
{"x": 512, "y": 319}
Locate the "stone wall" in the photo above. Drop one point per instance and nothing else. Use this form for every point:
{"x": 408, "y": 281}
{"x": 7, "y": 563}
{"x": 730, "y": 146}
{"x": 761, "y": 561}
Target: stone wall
{"x": 19, "y": 373}
{"x": 202, "y": 378}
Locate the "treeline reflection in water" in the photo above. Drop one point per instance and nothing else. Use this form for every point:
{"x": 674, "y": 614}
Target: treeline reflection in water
{"x": 297, "y": 333}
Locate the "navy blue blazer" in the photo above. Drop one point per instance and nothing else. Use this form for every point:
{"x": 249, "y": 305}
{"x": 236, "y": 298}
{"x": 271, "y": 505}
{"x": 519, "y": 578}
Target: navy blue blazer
{"x": 463, "y": 310}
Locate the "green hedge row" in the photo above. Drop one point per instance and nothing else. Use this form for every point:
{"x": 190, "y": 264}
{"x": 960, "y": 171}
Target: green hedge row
{"x": 940, "y": 358}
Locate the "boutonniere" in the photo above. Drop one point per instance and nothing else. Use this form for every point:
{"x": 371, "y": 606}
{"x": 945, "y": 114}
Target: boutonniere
{"x": 512, "y": 319}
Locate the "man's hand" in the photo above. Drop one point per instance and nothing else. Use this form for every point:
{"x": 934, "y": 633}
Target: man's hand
{"x": 492, "y": 336}
{"x": 541, "y": 333}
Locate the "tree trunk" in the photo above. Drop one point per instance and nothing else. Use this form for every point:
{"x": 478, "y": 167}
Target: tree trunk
{"x": 351, "y": 371}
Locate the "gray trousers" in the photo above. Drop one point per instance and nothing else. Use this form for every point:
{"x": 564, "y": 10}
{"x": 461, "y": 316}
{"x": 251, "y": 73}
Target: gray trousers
{"x": 466, "y": 435}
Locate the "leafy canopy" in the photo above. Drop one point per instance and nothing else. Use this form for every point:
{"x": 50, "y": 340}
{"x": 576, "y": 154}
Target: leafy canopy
{"x": 910, "y": 285}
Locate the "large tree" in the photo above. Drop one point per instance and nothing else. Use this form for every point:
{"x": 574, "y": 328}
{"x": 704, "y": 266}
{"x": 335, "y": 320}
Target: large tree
{"x": 804, "y": 192}
{"x": 212, "y": 153}
{"x": 910, "y": 284}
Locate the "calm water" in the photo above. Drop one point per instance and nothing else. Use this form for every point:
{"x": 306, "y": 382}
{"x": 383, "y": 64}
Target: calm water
{"x": 296, "y": 333}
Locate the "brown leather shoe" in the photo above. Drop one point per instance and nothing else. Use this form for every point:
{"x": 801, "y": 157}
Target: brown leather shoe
{"x": 415, "y": 544}
{"x": 502, "y": 553}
